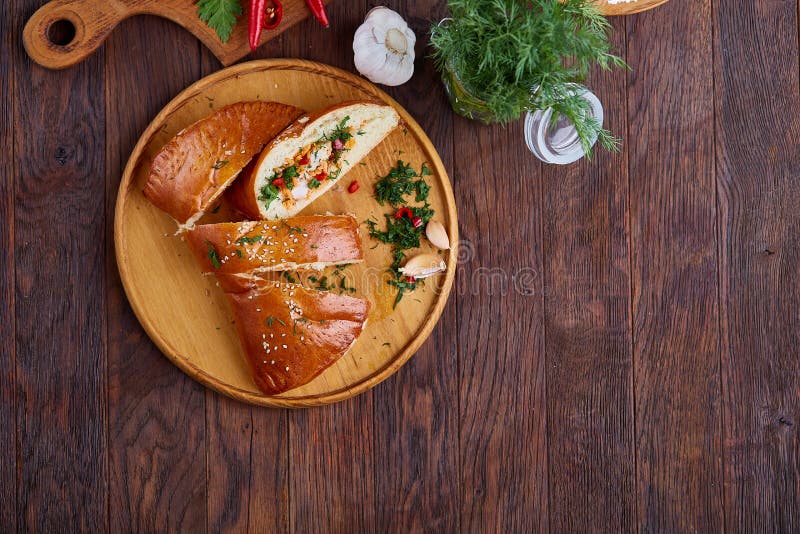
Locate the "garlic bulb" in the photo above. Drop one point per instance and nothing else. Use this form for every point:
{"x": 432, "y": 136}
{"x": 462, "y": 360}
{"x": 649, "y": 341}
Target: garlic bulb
{"x": 384, "y": 47}
{"x": 423, "y": 266}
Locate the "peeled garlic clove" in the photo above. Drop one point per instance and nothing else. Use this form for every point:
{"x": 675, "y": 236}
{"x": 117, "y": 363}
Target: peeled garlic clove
{"x": 423, "y": 266}
{"x": 437, "y": 235}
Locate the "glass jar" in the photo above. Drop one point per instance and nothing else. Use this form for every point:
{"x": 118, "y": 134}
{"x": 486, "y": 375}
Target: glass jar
{"x": 557, "y": 141}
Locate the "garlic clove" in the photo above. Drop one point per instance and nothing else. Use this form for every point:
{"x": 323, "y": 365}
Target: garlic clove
{"x": 437, "y": 235}
{"x": 423, "y": 266}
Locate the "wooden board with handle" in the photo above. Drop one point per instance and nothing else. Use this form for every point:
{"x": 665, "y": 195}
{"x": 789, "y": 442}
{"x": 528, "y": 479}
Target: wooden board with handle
{"x": 627, "y": 7}
{"x": 64, "y": 32}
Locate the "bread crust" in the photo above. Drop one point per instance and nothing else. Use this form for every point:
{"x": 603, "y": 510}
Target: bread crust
{"x": 293, "y": 243}
{"x": 291, "y": 334}
{"x": 202, "y": 160}
{"x": 243, "y": 194}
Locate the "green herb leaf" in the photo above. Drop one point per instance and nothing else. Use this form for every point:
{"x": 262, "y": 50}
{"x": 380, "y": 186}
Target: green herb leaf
{"x": 212, "y": 255}
{"x": 219, "y": 164}
{"x": 239, "y": 253}
{"x": 246, "y": 240}
{"x": 291, "y": 279}
{"x": 313, "y": 183}
{"x": 220, "y": 15}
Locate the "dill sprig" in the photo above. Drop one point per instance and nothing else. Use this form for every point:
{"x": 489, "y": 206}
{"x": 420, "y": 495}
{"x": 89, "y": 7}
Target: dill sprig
{"x": 519, "y": 55}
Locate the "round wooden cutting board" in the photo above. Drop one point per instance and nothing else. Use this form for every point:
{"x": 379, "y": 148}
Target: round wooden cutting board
{"x": 186, "y": 314}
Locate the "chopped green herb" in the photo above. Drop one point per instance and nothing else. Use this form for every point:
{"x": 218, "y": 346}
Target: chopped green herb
{"x": 314, "y": 246}
{"x": 239, "y": 253}
{"x": 281, "y": 322}
{"x": 343, "y": 286}
{"x": 291, "y": 229}
{"x": 323, "y": 284}
{"x": 360, "y": 132}
{"x": 268, "y": 193}
{"x": 270, "y": 321}
{"x": 424, "y": 170}
{"x": 313, "y": 183}
{"x": 212, "y": 255}
{"x": 219, "y": 164}
{"x": 289, "y": 277}
{"x": 313, "y": 279}
{"x": 246, "y": 240}
{"x": 422, "y": 191}
{"x": 400, "y": 182}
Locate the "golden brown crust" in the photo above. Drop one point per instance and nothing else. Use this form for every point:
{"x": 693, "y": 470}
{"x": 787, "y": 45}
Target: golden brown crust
{"x": 291, "y": 334}
{"x": 243, "y": 195}
{"x": 292, "y": 243}
{"x": 190, "y": 171}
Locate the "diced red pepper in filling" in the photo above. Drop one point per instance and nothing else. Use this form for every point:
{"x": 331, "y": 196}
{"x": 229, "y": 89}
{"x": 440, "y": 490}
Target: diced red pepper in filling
{"x": 416, "y": 221}
{"x": 304, "y": 160}
{"x": 353, "y": 186}
{"x": 410, "y": 279}
{"x": 279, "y": 182}
{"x": 320, "y": 176}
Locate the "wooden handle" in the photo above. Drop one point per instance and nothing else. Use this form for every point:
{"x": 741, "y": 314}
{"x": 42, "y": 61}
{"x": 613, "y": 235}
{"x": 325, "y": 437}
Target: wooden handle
{"x": 64, "y": 32}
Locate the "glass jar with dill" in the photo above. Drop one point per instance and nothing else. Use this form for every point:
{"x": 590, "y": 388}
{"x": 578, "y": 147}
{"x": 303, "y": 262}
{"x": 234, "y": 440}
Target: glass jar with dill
{"x": 501, "y": 58}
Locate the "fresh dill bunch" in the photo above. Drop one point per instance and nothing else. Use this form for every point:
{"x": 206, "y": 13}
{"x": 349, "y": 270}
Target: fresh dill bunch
{"x": 519, "y": 55}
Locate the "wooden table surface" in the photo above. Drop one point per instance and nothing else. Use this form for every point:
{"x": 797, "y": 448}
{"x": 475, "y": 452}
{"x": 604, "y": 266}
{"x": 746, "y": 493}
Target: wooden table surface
{"x": 621, "y": 351}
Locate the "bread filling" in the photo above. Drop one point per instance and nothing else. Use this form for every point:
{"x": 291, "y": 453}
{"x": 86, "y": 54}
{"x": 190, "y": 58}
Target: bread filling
{"x": 311, "y": 166}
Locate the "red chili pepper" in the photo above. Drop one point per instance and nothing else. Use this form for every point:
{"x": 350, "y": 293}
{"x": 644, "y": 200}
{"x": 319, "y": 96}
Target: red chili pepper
{"x": 256, "y": 22}
{"x": 279, "y": 182}
{"x": 416, "y": 221}
{"x": 274, "y": 15}
{"x": 320, "y": 176}
{"x": 318, "y": 9}
{"x": 403, "y": 212}
{"x": 410, "y": 279}
{"x": 304, "y": 160}
{"x": 353, "y": 186}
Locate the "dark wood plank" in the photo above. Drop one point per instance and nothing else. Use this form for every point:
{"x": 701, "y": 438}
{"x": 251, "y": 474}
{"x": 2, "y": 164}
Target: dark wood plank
{"x": 330, "y": 449}
{"x": 156, "y": 413}
{"x": 416, "y": 411}
{"x": 8, "y": 422}
{"x": 499, "y": 329}
{"x": 587, "y": 329}
{"x": 674, "y": 258}
{"x": 248, "y": 446}
{"x": 758, "y": 133}
{"x": 59, "y": 219}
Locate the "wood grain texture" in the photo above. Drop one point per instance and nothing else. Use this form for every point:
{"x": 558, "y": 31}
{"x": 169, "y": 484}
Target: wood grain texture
{"x": 587, "y": 329}
{"x": 332, "y": 486}
{"x": 60, "y": 284}
{"x": 674, "y": 264}
{"x": 500, "y": 333}
{"x": 248, "y": 446}
{"x": 94, "y": 20}
{"x": 156, "y": 414}
{"x": 759, "y": 201}
{"x": 8, "y": 414}
{"x": 416, "y": 411}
